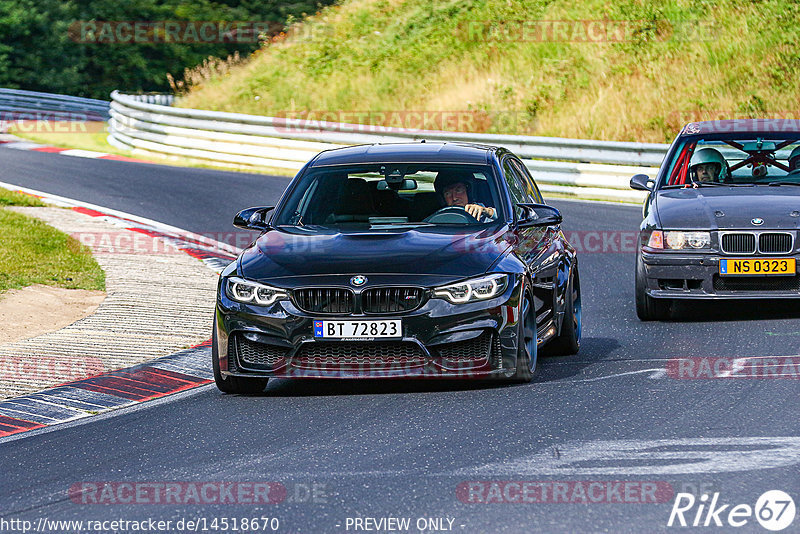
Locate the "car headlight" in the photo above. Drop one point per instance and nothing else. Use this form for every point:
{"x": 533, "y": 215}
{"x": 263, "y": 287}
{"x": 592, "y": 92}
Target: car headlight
{"x": 242, "y": 290}
{"x": 473, "y": 290}
{"x": 679, "y": 240}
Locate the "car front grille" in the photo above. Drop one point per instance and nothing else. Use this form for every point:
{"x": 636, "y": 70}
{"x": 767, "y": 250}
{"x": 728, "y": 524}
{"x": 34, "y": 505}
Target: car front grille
{"x": 471, "y": 351}
{"x": 775, "y": 243}
{"x": 768, "y": 243}
{"x": 739, "y": 243}
{"x": 362, "y": 356}
{"x": 251, "y": 354}
{"x": 325, "y": 300}
{"x": 391, "y": 299}
{"x": 333, "y": 300}
{"x": 777, "y": 283}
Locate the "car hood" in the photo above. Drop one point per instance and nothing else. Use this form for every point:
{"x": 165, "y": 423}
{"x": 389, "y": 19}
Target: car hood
{"x": 729, "y": 207}
{"x": 302, "y": 252}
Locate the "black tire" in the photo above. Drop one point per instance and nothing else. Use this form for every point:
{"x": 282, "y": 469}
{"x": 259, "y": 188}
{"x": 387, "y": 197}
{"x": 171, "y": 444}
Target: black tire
{"x": 233, "y": 384}
{"x": 527, "y": 353}
{"x": 568, "y": 341}
{"x": 648, "y": 308}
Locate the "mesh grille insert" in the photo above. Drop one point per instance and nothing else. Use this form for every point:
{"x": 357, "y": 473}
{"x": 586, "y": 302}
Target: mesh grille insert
{"x": 324, "y": 300}
{"x": 253, "y": 354}
{"x": 472, "y": 350}
{"x": 391, "y": 299}
{"x": 778, "y": 283}
{"x": 364, "y": 356}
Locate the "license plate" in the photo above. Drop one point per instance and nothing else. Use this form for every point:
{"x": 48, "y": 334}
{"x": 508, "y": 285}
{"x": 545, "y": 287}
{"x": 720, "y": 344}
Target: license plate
{"x": 358, "y": 329}
{"x": 757, "y": 267}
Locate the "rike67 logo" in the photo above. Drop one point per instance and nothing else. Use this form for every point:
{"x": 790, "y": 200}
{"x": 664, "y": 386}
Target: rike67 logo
{"x": 774, "y": 510}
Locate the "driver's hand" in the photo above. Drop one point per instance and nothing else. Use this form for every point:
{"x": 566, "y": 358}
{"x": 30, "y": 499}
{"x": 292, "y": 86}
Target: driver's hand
{"x": 476, "y": 210}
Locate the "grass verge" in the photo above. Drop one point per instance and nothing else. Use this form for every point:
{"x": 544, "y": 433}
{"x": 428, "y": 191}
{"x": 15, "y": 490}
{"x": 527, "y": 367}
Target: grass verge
{"x": 628, "y": 70}
{"x": 31, "y": 252}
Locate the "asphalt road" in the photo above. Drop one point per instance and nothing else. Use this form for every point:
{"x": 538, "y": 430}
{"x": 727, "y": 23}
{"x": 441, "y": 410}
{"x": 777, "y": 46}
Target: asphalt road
{"x": 347, "y": 449}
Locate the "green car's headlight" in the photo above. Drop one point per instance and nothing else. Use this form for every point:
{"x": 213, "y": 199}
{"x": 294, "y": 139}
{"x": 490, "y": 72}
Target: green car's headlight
{"x": 482, "y": 288}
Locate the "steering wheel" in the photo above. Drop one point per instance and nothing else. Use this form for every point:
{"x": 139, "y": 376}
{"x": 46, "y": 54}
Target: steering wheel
{"x": 450, "y": 215}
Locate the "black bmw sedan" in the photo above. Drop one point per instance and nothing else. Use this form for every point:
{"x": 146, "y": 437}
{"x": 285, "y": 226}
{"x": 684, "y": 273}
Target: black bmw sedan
{"x": 721, "y": 217}
{"x": 399, "y": 260}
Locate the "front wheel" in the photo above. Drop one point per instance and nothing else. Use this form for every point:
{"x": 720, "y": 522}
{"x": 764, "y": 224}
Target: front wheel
{"x": 568, "y": 341}
{"x": 648, "y": 308}
{"x": 526, "y": 343}
{"x": 232, "y": 384}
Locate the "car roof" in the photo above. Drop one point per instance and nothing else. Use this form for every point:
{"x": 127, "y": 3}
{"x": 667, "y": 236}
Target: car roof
{"x": 425, "y": 152}
{"x": 745, "y": 126}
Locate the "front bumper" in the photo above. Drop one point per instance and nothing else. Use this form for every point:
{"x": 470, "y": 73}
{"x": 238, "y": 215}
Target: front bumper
{"x": 439, "y": 339}
{"x": 696, "y": 276}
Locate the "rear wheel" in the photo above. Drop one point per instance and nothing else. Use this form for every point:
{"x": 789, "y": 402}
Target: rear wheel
{"x": 526, "y": 343}
{"x": 232, "y": 384}
{"x": 569, "y": 340}
{"x": 648, "y": 308}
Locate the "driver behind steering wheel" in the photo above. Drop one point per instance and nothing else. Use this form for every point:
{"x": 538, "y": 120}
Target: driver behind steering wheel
{"x": 455, "y": 190}
{"x": 708, "y": 165}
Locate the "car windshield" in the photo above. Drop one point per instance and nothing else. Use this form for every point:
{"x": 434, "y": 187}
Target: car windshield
{"x": 735, "y": 159}
{"x": 400, "y": 194}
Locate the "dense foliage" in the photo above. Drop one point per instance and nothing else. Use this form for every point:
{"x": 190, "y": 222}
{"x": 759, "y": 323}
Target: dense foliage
{"x": 42, "y": 47}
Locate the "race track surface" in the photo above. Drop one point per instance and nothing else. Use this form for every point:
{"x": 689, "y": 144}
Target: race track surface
{"x": 377, "y": 449}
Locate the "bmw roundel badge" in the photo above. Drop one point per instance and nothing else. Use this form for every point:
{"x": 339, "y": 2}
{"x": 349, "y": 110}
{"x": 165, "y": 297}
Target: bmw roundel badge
{"x": 359, "y": 280}
{"x": 758, "y": 221}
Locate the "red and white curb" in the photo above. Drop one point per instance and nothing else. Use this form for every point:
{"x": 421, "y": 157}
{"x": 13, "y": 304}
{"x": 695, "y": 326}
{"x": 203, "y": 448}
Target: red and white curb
{"x": 18, "y": 144}
{"x": 157, "y": 378}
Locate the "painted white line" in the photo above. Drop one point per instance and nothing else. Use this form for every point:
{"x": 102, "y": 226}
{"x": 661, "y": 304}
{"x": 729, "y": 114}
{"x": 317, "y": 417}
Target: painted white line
{"x": 658, "y": 375}
{"x": 82, "y": 153}
{"x": 649, "y": 457}
{"x": 615, "y": 375}
{"x": 22, "y": 145}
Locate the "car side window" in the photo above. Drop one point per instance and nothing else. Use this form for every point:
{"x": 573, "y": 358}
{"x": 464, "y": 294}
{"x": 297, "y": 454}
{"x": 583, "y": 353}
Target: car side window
{"x": 530, "y": 185}
{"x": 515, "y": 187}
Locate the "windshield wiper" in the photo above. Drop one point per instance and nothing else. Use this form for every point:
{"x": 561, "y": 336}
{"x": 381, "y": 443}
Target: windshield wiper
{"x": 710, "y": 184}
{"x": 400, "y": 225}
{"x": 783, "y": 183}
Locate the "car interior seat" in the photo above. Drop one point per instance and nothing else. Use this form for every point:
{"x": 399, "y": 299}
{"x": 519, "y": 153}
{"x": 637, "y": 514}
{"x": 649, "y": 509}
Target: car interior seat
{"x": 355, "y": 203}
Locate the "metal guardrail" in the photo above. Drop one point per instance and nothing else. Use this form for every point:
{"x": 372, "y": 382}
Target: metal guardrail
{"x": 586, "y": 168}
{"x": 17, "y": 104}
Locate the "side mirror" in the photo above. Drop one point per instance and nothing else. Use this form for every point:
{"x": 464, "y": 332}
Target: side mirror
{"x": 253, "y": 218}
{"x": 539, "y": 215}
{"x": 642, "y": 182}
